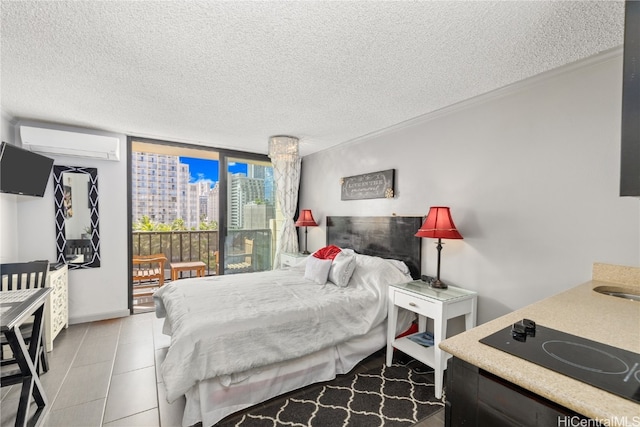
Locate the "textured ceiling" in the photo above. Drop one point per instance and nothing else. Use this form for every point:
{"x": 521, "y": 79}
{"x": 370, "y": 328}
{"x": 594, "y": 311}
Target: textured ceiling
{"x": 230, "y": 74}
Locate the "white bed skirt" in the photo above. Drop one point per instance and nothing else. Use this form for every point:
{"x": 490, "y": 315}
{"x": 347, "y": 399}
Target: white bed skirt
{"x": 210, "y": 401}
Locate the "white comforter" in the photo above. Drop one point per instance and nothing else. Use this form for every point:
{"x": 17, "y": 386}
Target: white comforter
{"x": 222, "y": 325}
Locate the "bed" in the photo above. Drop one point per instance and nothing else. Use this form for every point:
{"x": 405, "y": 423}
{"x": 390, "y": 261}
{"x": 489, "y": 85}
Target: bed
{"x": 239, "y": 340}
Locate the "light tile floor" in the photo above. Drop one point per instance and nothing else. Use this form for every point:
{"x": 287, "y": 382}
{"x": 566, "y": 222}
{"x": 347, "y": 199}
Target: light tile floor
{"x": 106, "y": 374}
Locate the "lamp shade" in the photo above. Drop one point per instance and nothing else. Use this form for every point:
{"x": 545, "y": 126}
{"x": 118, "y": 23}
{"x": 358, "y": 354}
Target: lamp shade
{"x": 439, "y": 225}
{"x": 306, "y": 219}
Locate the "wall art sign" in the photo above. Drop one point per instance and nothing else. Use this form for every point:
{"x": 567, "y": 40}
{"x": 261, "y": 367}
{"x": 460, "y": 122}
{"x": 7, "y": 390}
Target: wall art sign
{"x": 375, "y": 185}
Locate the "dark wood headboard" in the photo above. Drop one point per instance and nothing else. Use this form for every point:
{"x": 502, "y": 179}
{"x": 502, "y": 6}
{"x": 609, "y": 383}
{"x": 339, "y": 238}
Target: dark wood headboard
{"x": 383, "y": 236}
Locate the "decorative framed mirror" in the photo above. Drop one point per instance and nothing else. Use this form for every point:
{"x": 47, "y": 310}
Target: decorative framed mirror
{"x": 76, "y": 204}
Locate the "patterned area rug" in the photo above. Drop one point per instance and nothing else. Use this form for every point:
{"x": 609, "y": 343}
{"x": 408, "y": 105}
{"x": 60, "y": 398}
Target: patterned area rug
{"x": 385, "y": 396}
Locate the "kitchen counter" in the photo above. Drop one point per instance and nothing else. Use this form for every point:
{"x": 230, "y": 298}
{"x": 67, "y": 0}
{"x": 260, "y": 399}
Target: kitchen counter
{"x": 579, "y": 311}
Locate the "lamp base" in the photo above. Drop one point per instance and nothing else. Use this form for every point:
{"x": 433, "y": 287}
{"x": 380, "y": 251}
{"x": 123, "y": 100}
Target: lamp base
{"x": 305, "y": 252}
{"x": 437, "y": 284}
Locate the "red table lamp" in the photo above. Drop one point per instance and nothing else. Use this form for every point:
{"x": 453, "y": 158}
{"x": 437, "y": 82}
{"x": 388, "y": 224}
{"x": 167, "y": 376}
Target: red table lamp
{"x": 306, "y": 220}
{"x": 439, "y": 225}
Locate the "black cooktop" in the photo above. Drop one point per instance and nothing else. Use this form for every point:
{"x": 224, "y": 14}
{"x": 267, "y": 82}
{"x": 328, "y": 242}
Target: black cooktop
{"x": 609, "y": 368}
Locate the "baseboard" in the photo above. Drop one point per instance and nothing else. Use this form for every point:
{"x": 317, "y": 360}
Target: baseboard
{"x": 96, "y": 317}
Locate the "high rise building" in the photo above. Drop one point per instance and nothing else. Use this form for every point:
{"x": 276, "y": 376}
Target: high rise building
{"x": 157, "y": 186}
{"x": 242, "y": 191}
{"x": 183, "y": 203}
{"x": 255, "y": 171}
{"x": 213, "y": 204}
{"x": 202, "y": 188}
{"x": 269, "y": 186}
{"x": 264, "y": 173}
{"x": 162, "y": 191}
{"x": 257, "y": 215}
{"x": 191, "y": 216}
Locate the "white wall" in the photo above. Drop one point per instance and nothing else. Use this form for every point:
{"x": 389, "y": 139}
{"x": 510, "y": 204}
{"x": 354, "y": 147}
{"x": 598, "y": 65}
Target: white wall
{"x": 95, "y": 293}
{"x": 8, "y": 230}
{"x": 8, "y": 207}
{"x": 531, "y": 175}
{"x": 531, "y": 178}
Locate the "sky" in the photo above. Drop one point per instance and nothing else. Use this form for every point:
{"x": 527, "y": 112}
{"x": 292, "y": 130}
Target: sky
{"x": 209, "y": 169}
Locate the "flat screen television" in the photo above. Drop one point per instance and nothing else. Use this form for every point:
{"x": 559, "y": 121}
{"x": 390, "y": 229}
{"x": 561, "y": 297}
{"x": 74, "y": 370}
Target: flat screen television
{"x": 23, "y": 172}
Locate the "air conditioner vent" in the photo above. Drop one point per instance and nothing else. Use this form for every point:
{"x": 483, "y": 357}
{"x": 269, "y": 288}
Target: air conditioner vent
{"x": 66, "y": 143}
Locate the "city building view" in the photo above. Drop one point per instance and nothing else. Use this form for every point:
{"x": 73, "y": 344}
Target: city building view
{"x": 176, "y": 211}
{"x": 165, "y": 191}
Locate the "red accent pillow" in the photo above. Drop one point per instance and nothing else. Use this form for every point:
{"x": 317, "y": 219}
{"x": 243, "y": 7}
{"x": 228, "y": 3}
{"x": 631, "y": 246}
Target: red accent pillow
{"x": 328, "y": 252}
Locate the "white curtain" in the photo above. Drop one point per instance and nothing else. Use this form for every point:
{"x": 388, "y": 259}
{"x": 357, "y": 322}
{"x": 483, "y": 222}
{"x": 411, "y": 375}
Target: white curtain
{"x": 286, "y": 172}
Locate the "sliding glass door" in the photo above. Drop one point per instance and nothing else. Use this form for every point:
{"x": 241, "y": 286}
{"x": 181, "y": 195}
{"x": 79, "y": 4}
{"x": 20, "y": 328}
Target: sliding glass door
{"x": 197, "y": 205}
{"x": 251, "y": 216}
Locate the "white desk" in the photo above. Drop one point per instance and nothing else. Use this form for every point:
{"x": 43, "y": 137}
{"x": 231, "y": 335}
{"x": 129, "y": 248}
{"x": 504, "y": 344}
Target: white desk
{"x": 15, "y": 308}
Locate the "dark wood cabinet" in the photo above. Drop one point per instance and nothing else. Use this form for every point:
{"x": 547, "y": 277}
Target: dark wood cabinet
{"x": 478, "y": 398}
{"x": 630, "y": 132}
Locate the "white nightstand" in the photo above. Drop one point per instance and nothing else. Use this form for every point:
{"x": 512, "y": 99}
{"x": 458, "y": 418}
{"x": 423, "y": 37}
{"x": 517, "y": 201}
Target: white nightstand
{"x": 289, "y": 259}
{"x": 437, "y": 304}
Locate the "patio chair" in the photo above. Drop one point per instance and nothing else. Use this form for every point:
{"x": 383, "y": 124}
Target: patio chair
{"x": 148, "y": 271}
{"x": 241, "y": 262}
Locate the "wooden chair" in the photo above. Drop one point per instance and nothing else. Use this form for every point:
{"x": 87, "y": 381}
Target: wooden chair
{"x": 148, "y": 271}
{"x": 242, "y": 262}
{"x": 17, "y": 276}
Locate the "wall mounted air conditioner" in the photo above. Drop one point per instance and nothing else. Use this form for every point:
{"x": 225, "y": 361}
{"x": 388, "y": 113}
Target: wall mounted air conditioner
{"x": 66, "y": 143}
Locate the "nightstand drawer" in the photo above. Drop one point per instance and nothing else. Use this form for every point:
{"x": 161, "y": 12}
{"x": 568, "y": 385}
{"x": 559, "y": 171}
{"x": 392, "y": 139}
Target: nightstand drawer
{"x": 415, "y": 304}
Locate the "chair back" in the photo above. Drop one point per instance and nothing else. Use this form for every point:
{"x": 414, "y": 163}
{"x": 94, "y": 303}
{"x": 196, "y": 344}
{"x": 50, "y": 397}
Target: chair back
{"x": 147, "y": 262}
{"x": 79, "y": 247}
{"x": 149, "y": 267}
{"x": 242, "y": 262}
{"x": 23, "y": 275}
{"x": 216, "y": 256}
{"x": 248, "y": 249}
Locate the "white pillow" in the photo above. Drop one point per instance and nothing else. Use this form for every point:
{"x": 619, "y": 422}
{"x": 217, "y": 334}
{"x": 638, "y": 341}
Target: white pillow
{"x": 317, "y": 270}
{"x": 342, "y": 269}
{"x": 399, "y": 265}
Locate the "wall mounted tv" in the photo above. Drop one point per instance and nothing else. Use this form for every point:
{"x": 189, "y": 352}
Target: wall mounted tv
{"x": 23, "y": 172}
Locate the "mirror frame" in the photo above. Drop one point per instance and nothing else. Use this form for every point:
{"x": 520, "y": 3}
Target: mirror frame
{"x": 61, "y": 239}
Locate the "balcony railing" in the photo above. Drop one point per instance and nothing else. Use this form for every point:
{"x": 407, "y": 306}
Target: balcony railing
{"x": 186, "y": 246}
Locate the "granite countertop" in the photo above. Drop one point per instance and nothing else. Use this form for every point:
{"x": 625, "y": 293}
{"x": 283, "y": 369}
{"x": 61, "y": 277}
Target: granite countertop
{"x": 579, "y": 311}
